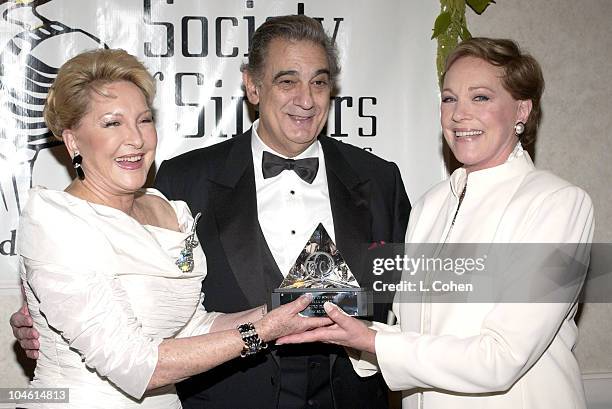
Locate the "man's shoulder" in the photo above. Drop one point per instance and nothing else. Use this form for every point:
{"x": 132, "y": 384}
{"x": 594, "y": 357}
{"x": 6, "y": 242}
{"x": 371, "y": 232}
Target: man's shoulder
{"x": 200, "y": 156}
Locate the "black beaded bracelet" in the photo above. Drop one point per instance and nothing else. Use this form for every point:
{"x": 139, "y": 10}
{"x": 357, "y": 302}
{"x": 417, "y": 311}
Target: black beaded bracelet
{"x": 252, "y": 343}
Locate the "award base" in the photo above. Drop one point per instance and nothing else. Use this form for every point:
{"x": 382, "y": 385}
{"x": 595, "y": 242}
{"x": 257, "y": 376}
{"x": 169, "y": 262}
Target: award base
{"x": 356, "y": 302}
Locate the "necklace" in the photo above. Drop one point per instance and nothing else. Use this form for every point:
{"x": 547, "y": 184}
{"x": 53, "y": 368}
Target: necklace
{"x": 461, "y": 196}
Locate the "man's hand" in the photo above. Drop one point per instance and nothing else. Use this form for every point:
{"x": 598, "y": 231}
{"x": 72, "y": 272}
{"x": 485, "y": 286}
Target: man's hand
{"x": 346, "y": 331}
{"x": 21, "y": 323}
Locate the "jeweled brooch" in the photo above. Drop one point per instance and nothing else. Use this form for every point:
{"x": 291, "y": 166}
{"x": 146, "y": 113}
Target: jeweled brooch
{"x": 185, "y": 259}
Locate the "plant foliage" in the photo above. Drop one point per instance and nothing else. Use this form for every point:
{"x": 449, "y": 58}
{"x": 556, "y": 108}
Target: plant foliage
{"x": 450, "y": 26}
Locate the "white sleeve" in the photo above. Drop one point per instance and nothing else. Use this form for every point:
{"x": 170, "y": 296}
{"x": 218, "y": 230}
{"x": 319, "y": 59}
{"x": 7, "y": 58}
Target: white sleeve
{"x": 200, "y": 322}
{"x": 92, "y": 312}
{"x": 365, "y": 363}
{"x": 512, "y": 337}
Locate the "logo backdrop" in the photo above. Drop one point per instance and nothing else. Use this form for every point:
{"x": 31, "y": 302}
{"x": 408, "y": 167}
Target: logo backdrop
{"x": 386, "y": 101}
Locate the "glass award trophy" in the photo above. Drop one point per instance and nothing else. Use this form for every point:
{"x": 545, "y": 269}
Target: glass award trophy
{"x": 321, "y": 271}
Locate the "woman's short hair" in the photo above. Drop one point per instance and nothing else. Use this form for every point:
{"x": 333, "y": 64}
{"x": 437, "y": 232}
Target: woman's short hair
{"x": 70, "y": 95}
{"x": 291, "y": 28}
{"x": 522, "y": 78}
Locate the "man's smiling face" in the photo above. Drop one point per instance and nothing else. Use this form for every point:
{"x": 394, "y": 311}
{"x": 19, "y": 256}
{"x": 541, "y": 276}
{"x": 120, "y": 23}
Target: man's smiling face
{"x": 293, "y": 95}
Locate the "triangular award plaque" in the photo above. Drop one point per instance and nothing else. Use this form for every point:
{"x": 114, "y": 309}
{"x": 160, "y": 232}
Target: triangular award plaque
{"x": 321, "y": 270}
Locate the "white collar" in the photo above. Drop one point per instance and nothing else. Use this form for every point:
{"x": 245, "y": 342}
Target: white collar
{"x": 518, "y": 162}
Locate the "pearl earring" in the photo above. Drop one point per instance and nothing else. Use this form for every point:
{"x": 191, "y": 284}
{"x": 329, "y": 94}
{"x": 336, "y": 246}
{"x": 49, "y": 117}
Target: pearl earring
{"x": 519, "y": 128}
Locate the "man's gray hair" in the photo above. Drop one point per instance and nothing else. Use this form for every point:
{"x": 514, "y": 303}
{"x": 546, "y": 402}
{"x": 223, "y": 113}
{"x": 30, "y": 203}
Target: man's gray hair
{"x": 292, "y": 28}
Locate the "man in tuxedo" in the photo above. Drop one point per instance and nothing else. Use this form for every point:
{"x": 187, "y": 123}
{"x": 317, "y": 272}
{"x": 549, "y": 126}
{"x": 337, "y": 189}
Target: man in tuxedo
{"x": 257, "y": 218}
{"x": 261, "y": 195}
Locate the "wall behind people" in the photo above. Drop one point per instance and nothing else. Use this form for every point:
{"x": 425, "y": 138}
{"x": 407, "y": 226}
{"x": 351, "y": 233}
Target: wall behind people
{"x": 386, "y": 102}
{"x": 573, "y": 42}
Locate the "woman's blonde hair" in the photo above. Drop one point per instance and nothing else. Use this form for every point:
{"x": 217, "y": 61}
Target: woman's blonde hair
{"x": 70, "y": 95}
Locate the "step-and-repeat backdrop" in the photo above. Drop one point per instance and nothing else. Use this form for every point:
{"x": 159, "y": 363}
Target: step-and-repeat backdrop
{"x": 386, "y": 102}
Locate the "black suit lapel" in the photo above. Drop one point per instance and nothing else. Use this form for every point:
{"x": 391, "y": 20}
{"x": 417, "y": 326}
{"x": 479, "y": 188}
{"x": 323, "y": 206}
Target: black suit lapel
{"x": 234, "y": 203}
{"x": 350, "y": 197}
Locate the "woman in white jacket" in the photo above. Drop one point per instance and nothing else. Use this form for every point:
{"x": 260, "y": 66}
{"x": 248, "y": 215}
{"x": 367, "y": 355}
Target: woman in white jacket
{"x": 489, "y": 354}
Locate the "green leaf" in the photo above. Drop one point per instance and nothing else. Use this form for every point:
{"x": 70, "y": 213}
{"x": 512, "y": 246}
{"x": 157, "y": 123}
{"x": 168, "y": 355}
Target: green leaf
{"x": 479, "y": 5}
{"x": 441, "y": 24}
{"x": 465, "y": 33}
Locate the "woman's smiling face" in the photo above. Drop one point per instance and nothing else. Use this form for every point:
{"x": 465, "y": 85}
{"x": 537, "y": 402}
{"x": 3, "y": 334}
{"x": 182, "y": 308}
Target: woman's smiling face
{"x": 117, "y": 139}
{"x": 478, "y": 114}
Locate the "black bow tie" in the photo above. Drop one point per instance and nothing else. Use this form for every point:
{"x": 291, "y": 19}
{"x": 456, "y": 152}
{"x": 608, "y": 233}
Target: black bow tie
{"x": 273, "y": 165}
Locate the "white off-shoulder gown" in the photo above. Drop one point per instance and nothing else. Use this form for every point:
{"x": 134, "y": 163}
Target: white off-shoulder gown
{"x": 104, "y": 291}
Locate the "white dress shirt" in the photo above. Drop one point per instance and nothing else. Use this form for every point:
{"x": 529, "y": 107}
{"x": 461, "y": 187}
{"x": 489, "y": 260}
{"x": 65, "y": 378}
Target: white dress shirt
{"x": 288, "y": 208}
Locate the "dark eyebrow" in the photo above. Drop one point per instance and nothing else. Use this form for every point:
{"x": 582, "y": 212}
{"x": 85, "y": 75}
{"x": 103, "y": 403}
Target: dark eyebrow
{"x": 295, "y": 72}
{"x": 281, "y": 73}
{"x": 321, "y": 71}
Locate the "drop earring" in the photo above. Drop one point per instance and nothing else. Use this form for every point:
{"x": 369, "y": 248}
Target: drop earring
{"x": 77, "y": 159}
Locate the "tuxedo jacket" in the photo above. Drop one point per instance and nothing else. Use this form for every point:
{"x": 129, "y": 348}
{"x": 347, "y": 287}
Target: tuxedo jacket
{"x": 369, "y": 204}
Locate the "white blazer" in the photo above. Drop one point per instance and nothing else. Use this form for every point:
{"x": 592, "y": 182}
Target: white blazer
{"x": 489, "y": 355}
